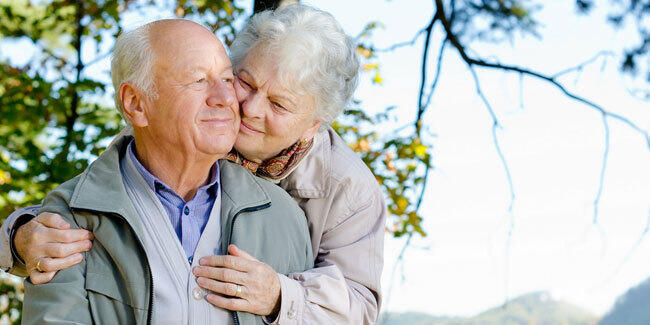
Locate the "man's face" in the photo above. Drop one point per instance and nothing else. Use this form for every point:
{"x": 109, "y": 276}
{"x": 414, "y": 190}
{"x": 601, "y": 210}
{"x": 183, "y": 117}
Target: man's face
{"x": 196, "y": 111}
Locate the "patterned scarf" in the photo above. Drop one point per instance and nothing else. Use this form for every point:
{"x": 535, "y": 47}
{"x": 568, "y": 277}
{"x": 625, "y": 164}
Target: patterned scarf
{"x": 278, "y": 167}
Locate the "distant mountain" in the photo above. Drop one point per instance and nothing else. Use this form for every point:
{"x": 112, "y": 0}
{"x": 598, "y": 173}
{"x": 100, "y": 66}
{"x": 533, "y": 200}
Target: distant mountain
{"x": 530, "y": 309}
{"x": 632, "y": 308}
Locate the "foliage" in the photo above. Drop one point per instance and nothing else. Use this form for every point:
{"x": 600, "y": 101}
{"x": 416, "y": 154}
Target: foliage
{"x": 397, "y": 161}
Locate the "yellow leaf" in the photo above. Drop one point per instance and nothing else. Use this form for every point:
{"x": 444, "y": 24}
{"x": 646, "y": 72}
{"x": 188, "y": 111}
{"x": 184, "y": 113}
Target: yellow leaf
{"x": 402, "y": 203}
{"x": 364, "y": 146}
{"x": 366, "y": 53}
{"x": 370, "y": 66}
{"x": 5, "y": 177}
{"x": 420, "y": 150}
{"x": 377, "y": 79}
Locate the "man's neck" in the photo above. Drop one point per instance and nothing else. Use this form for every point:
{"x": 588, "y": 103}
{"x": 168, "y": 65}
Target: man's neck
{"x": 183, "y": 172}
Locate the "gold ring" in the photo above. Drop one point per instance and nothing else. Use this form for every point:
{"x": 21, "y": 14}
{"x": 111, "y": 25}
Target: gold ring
{"x": 38, "y": 266}
{"x": 238, "y": 291}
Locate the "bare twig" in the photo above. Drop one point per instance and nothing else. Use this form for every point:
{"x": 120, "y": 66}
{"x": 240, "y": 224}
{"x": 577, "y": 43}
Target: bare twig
{"x": 400, "y": 259}
{"x": 582, "y": 65}
{"x": 495, "y": 125}
{"x": 638, "y": 243}
{"x": 521, "y": 91}
{"x": 602, "y": 170}
{"x": 437, "y": 76}
{"x": 402, "y": 44}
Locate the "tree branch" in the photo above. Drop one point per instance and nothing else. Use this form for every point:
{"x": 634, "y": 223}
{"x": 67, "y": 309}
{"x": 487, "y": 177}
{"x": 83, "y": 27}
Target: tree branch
{"x": 495, "y": 125}
{"x": 423, "y": 74}
{"x": 74, "y": 104}
{"x": 471, "y": 61}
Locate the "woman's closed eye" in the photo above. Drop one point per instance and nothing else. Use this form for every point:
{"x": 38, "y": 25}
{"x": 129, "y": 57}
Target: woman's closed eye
{"x": 244, "y": 84}
{"x": 278, "y": 106}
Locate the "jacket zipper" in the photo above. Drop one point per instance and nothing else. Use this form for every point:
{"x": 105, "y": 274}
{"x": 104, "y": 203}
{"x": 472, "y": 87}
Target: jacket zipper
{"x": 232, "y": 225}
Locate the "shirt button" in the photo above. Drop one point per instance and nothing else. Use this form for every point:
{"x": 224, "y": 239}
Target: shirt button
{"x": 186, "y": 211}
{"x": 197, "y": 293}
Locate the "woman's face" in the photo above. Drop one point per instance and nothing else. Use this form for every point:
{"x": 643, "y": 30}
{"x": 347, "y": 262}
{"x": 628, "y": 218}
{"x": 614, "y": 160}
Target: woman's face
{"x": 272, "y": 117}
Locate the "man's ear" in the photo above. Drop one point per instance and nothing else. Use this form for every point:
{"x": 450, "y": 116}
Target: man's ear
{"x": 132, "y": 101}
{"x": 311, "y": 131}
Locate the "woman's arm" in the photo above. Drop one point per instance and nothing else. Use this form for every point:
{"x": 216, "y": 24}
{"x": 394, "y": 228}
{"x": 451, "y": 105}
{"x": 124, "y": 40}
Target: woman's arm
{"x": 26, "y": 240}
{"x": 63, "y": 300}
{"x": 344, "y": 285}
{"x": 8, "y": 259}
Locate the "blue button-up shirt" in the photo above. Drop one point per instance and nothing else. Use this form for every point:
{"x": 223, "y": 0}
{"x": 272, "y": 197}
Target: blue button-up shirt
{"x": 187, "y": 218}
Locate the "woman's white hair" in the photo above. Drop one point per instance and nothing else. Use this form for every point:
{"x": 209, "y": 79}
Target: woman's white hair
{"x": 313, "y": 53}
{"x": 132, "y": 62}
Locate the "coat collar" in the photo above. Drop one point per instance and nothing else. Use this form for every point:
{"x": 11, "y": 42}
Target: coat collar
{"x": 240, "y": 189}
{"x": 100, "y": 187}
{"x": 311, "y": 178}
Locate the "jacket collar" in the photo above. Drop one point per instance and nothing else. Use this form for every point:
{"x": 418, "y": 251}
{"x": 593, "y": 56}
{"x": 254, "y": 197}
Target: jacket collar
{"x": 240, "y": 189}
{"x": 100, "y": 187}
{"x": 311, "y": 178}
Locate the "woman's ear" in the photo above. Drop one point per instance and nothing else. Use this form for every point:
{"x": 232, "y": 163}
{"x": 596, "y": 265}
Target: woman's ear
{"x": 132, "y": 103}
{"x": 311, "y": 131}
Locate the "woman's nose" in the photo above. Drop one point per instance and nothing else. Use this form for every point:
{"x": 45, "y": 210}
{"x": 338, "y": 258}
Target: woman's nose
{"x": 252, "y": 106}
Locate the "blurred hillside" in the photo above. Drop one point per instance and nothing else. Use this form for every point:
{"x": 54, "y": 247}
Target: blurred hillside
{"x": 631, "y": 308}
{"x": 530, "y": 309}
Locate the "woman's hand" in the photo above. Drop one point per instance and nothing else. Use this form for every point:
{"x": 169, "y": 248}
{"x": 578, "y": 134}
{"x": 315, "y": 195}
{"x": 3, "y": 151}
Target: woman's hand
{"x": 47, "y": 245}
{"x": 260, "y": 285}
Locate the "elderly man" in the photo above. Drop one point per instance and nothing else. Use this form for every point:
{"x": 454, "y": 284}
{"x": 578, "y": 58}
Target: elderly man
{"x": 174, "y": 84}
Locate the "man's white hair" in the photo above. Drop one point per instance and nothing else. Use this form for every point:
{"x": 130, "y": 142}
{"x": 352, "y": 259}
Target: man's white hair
{"x": 132, "y": 62}
{"x": 313, "y": 53}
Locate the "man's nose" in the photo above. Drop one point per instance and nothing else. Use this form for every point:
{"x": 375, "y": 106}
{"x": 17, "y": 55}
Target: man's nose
{"x": 221, "y": 94}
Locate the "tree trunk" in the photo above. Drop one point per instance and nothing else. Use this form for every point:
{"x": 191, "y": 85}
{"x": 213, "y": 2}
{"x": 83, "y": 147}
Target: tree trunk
{"x": 261, "y": 5}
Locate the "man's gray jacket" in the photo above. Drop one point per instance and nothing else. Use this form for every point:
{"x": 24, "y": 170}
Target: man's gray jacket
{"x": 113, "y": 284}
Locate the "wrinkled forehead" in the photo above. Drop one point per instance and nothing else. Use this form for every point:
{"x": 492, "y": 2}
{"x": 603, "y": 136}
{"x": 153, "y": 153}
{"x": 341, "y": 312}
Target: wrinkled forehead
{"x": 264, "y": 63}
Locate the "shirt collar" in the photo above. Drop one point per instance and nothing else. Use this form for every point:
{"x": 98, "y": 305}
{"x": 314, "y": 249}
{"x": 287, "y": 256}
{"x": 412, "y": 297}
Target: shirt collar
{"x": 155, "y": 184}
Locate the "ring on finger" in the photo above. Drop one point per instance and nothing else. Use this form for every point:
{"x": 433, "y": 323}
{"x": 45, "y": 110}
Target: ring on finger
{"x": 38, "y": 266}
{"x": 238, "y": 291}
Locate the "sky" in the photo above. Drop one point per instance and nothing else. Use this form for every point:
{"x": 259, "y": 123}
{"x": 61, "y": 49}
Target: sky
{"x": 554, "y": 148}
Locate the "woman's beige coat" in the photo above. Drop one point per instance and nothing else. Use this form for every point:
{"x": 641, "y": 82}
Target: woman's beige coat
{"x": 345, "y": 213}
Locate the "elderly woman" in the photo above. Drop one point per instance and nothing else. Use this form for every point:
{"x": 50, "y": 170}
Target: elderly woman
{"x": 295, "y": 71}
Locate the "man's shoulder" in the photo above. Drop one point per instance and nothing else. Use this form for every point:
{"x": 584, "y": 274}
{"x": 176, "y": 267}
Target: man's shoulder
{"x": 65, "y": 190}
